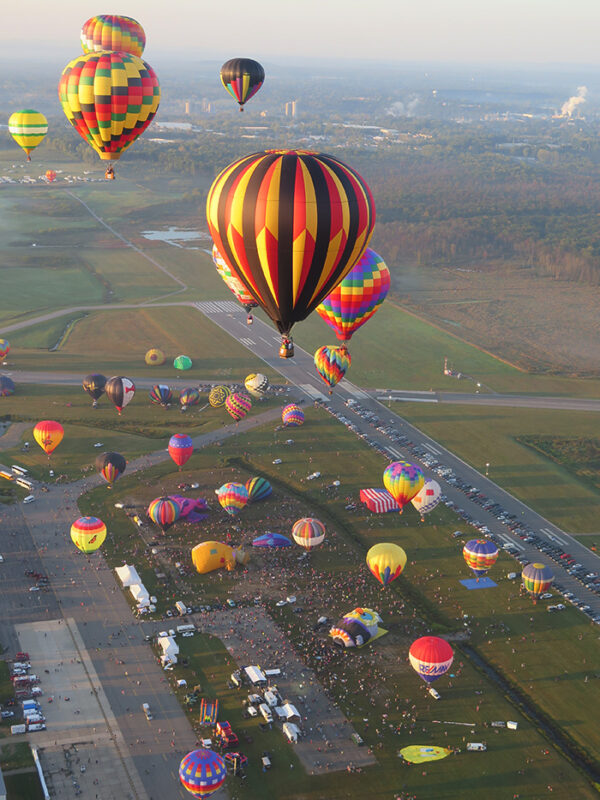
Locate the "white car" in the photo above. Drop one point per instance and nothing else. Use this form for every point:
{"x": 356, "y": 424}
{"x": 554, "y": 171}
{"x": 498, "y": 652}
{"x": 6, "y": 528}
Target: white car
{"x": 280, "y": 603}
{"x": 434, "y": 693}
{"x": 546, "y": 596}
{"x": 29, "y": 499}
{"x": 252, "y": 711}
{"x": 276, "y": 461}
{"x": 99, "y": 444}
{"x": 291, "y": 598}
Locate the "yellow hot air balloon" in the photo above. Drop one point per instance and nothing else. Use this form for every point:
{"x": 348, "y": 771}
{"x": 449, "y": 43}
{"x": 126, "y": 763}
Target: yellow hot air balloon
{"x": 48, "y": 434}
{"x": 88, "y": 533}
{"x": 28, "y": 128}
{"x": 386, "y": 561}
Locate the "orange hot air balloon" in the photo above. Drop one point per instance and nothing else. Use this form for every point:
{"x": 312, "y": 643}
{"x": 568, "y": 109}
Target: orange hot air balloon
{"x": 48, "y": 434}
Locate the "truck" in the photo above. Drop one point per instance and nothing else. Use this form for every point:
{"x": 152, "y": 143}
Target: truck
{"x": 186, "y": 629}
{"x": 37, "y": 726}
{"x": 271, "y": 699}
{"x": 16, "y": 729}
{"x": 266, "y": 712}
{"x": 146, "y": 710}
{"x": 181, "y": 607}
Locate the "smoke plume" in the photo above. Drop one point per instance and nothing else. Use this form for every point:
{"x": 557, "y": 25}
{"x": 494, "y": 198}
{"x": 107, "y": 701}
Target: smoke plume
{"x": 400, "y": 109}
{"x": 568, "y": 108}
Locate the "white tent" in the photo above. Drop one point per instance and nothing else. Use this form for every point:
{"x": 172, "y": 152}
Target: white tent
{"x": 291, "y": 731}
{"x": 140, "y": 594}
{"x": 128, "y": 575}
{"x": 291, "y": 712}
{"x": 255, "y": 675}
{"x": 170, "y": 649}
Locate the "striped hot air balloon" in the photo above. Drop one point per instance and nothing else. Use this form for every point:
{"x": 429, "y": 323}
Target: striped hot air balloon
{"x": 290, "y": 224}
{"x": 332, "y": 363}
{"x": 113, "y": 32}
{"x": 238, "y": 405}
{"x": 386, "y": 561}
{"x": 28, "y": 128}
{"x": 88, "y": 533}
{"x": 233, "y": 283}
{"x": 4, "y": 347}
{"x": 202, "y": 772}
{"x": 161, "y": 395}
{"x": 427, "y": 498}
{"x": 292, "y": 416}
{"x": 480, "y": 555}
{"x": 111, "y": 466}
{"x": 189, "y": 397}
{"x": 308, "y": 532}
{"x": 232, "y": 497}
{"x": 403, "y": 481}
{"x": 537, "y": 579}
{"x": 430, "y": 657}
{"x": 242, "y": 78}
{"x": 164, "y": 511}
{"x": 258, "y": 489}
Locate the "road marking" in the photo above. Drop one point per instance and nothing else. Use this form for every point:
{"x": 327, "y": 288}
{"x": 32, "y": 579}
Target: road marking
{"x": 217, "y": 306}
{"x": 264, "y": 340}
{"x": 554, "y": 537}
{"x": 383, "y": 398}
{"x": 354, "y": 390}
{"x": 516, "y": 544}
{"x": 315, "y": 394}
{"x": 395, "y": 452}
{"x": 247, "y": 342}
{"x": 432, "y": 449}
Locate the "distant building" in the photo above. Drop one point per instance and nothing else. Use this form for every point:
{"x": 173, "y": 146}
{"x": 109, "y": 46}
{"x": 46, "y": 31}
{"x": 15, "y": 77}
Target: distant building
{"x": 187, "y": 107}
{"x": 290, "y": 108}
{"x": 206, "y": 106}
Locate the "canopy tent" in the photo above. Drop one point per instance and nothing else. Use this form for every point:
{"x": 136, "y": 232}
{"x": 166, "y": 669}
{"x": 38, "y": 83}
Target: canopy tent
{"x": 128, "y": 575}
{"x": 378, "y": 500}
{"x": 140, "y": 594}
{"x": 291, "y": 712}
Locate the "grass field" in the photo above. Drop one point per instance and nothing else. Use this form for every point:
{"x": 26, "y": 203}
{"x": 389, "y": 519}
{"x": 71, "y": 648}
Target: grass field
{"x": 23, "y": 787}
{"x": 558, "y": 651}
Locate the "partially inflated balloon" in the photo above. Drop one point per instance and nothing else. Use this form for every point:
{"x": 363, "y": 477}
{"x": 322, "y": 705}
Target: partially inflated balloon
{"x": 111, "y": 466}
{"x": 332, "y": 363}
{"x": 308, "y": 532}
{"x": 357, "y": 297}
{"x": 386, "y": 561}
{"x": 164, "y": 511}
{"x": 242, "y": 77}
{"x": 180, "y": 448}
{"x": 256, "y": 384}
{"x": 4, "y": 348}
{"x": 88, "y": 533}
{"x": 161, "y": 395}
{"x": 537, "y": 579}
{"x": 7, "y": 386}
{"x": 233, "y": 283}
{"x": 154, "y": 357}
{"x": 403, "y": 481}
{"x": 290, "y": 224}
{"x": 480, "y": 555}
{"x": 258, "y": 489}
{"x": 48, "y": 434}
{"x": 189, "y": 397}
{"x": 218, "y": 395}
{"x": 292, "y": 416}
{"x": 232, "y": 497}
{"x": 430, "y": 657}
{"x": 202, "y": 772}
{"x": 119, "y": 391}
{"x": 113, "y": 32}
{"x": 182, "y": 363}
{"x": 50, "y": 175}
{"x": 427, "y": 498}
{"x": 94, "y": 385}
{"x": 110, "y": 99}
{"x": 238, "y": 405}
{"x": 28, "y": 128}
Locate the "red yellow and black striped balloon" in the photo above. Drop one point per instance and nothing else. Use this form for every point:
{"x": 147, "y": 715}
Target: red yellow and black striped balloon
{"x": 290, "y": 224}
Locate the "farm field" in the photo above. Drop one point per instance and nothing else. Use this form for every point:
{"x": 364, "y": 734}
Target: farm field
{"x": 552, "y": 648}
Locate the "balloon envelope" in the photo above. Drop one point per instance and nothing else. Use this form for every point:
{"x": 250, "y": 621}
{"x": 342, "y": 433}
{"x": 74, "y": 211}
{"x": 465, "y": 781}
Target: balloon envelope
{"x": 332, "y": 363}
{"x": 182, "y": 362}
{"x": 88, "y": 533}
{"x": 430, "y": 657}
{"x": 386, "y": 561}
{"x": 427, "y": 498}
{"x": 189, "y": 397}
{"x": 256, "y": 384}
{"x": 292, "y": 416}
{"x": 218, "y": 395}
{"x": 357, "y": 297}
{"x": 113, "y": 32}
{"x": 258, "y": 489}
{"x": 7, "y": 387}
{"x": 233, "y": 283}
{"x": 160, "y": 394}
{"x": 50, "y": 175}
{"x": 164, "y": 511}
{"x": 242, "y": 77}
{"x": 111, "y": 466}
{"x": 290, "y": 224}
{"x": 48, "y": 434}
{"x": 94, "y": 385}
{"x": 119, "y": 391}
{"x": 181, "y": 448}
{"x": 232, "y": 497}
{"x": 308, "y": 532}
{"x": 272, "y": 540}
{"x": 403, "y": 481}
{"x": 480, "y": 555}
{"x": 537, "y": 579}
{"x": 238, "y": 405}
{"x": 4, "y": 348}
{"x": 28, "y": 128}
{"x": 202, "y": 772}
{"x": 154, "y": 357}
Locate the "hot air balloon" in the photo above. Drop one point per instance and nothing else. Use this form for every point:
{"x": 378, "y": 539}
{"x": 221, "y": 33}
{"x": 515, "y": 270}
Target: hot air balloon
{"x": 182, "y": 363}
{"x": 331, "y": 364}
{"x": 110, "y": 99}
{"x": 427, "y": 498}
{"x": 256, "y": 384}
{"x": 164, "y": 511}
{"x": 232, "y": 497}
{"x": 258, "y": 489}
{"x": 537, "y": 579}
{"x": 242, "y": 77}
{"x": 189, "y": 397}
{"x": 181, "y": 448}
{"x": 94, "y": 385}
{"x": 271, "y": 539}
{"x": 154, "y": 357}
{"x": 403, "y": 481}
{"x": 7, "y": 387}
{"x": 355, "y": 629}
{"x": 50, "y": 175}
{"x": 88, "y": 533}
{"x": 480, "y": 555}
{"x": 290, "y": 224}
{"x": 28, "y": 128}
{"x": 160, "y": 394}
{"x": 202, "y": 772}
{"x": 357, "y": 297}
{"x": 386, "y": 561}
{"x": 233, "y": 283}
{"x": 238, "y": 405}
{"x": 48, "y": 434}
{"x": 308, "y": 532}
{"x": 292, "y": 416}
{"x": 113, "y": 32}
{"x": 119, "y": 391}
{"x": 430, "y": 657}
{"x": 218, "y": 395}
{"x": 111, "y": 466}
{"x": 208, "y": 556}
{"x": 4, "y": 348}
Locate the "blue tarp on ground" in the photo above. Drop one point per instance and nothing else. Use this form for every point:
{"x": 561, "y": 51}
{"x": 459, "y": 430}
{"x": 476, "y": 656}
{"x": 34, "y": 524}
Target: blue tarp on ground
{"x": 482, "y": 583}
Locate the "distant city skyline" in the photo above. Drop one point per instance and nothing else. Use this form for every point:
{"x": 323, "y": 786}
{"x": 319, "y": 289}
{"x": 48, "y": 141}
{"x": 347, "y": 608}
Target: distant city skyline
{"x": 463, "y": 31}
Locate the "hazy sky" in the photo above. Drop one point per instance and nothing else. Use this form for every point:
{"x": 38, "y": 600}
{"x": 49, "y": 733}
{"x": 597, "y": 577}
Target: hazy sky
{"x": 557, "y": 31}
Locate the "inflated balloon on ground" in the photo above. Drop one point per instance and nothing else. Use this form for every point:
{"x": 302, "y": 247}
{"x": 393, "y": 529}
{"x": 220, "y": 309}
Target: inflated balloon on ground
{"x": 386, "y": 561}
{"x": 88, "y": 533}
{"x": 403, "y": 481}
{"x": 154, "y": 357}
{"x": 292, "y": 416}
{"x": 238, "y": 405}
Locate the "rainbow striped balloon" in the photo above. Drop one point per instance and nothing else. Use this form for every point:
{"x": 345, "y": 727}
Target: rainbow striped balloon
{"x": 354, "y": 301}
{"x": 202, "y": 772}
{"x": 537, "y": 579}
{"x": 164, "y": 511}
{"x": 332, "y": 364}
{"x": 4, "y": 347}
{"x": 480, "y": 555}
{"x": 308, "y": 532}
{"x": 403, "y": 481}
{"x": 258, "y": 489}
{"x": 292, "y": 416}
{"x": 232, "y": 497}
{"x": 88, "y": 533}
{"x": 238, "y": 405}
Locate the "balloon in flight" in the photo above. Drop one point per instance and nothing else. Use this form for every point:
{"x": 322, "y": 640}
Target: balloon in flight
{"x": 430, "y": 657}
{"x": 113, "y": 32}
{"x": 161, "y": 395}
{"x": 94, "y": 385}
{"x": 154, "y": 357}
{"x": 238, "y": 405}
{"x": 386, "y": 561}
{"x": 110, "y": 99}
{"x": 480, "y": 555}
{"x": 256, "y": 384}
{"x": 48, "y": 434}
{"x": 292, "y": 416}
{"x": 180, "y": 448}
{"x": 357, "y": 297}
{"x": 332, "y": 364}
{"x": 232, "y": 497}
{"x": 120, "y": 391}
{"x": 308, "y": 532}
{"x": 4, "y": 348}
{"x": 233, "y": 283}
{"x": 202, "y": 772}
{"x": 7, "y": 386}
{"x": 242, "y": 78}
{"x": 28, "y": 128}
{"x": 164, "y": 511}
{"x": 88, "y": 533}
{"x": 218, "y": 395}
{"x": 403, "y": 481}
{"x": 537, "y": 579}
{"x": 50, "y": 175}
{"x": 111, "y": 466}
{"x": 189, "y": 397}
{"x": 427, "y": 498}
{"x": 290, "y": 224}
